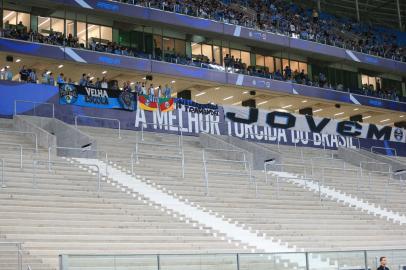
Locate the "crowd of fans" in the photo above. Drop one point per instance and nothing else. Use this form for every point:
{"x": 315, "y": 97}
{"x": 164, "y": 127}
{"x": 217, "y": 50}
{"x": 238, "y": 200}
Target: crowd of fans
{"x": 230, "y": 64}
{"x": 284, "y": 17}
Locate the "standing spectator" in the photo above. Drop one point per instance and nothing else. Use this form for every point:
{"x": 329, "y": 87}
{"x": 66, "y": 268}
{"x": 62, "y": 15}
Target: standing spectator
{"x": 3, "y": 73}
{"x": 160, "y": 93}
{"x": 168, "y": 91}
{"x": 104, "y": 83}
{"x": 151, "y": 92}
{"x": 45, "y": 77}
{"x": 143, "y": 89}
{"x": 33, "y": 76}
{"x": 51, "y": 79}
{"x": 60, "y": 78}
{"x": 383, "y": 262}
{"x": 83, "y": 81}
{"x": 315, "y": 16}
{"x": 24, "y": 74}
{"x": 288, "y": 73}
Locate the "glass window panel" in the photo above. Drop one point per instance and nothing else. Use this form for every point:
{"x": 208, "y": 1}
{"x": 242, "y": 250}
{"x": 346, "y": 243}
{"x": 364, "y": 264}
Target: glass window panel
{"x": 196, "y": 49}
{"x": 57, "y": 25}
{"x": 269, "y": 63}
{"x": 285, "y": 62}
{"x": 93, "y": 32}
{"x": 81, "y": 30}
{"x": 44, "y": 25}
{"x": 106, "y": 34}
{"x": 235, "y": 53}
{"x": 25, "y": 19}
{"x": 364, "y": 79}
{"x": 278, "y": 65}
{"x": 294, "y": 66}
{"x": 169, "y": 44}
{"x": 158, "y": 41}
{"x": 372, "y": 81}
{"x": 9, "y": 18}
{"x": 217, "y": 54}
{"x": 259, "y": 60}
{"x": 303, "y": 66}
{"x": 180, "y": 47}
{"x": 225, "y": 52}
{"x": 246, "y": 57}
{"x": 207, "y": 51}
{"x": 70, "y": 28}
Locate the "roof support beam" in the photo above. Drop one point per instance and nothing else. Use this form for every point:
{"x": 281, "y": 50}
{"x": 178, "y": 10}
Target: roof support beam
{"x": 357, "y": 9}
{"x": 399, "y": 16}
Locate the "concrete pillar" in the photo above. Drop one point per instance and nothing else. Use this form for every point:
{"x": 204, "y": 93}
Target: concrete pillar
{"x": 399, "y": 16}
{"x": 357, "y": 9}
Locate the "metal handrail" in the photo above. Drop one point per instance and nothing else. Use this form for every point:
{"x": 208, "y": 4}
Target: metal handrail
{"x": 23, "y": 132}
{"x": 36, "y": 162}
{"x": 179, "y": 129}
{"x": 21, "y": 151}
{"x": 324, "y": 158}
{"x": 247, "y": 168}
{"x": 100, "y": 118}
{"x": 33, "y": 102}
{"x": 384, "y": 148}
{"x": 76, "y": 148}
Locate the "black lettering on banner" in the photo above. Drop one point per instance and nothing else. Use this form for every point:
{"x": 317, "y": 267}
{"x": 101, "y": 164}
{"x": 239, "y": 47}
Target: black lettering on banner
{"x": 271, "y": 117}
{"x": 316, "y": 128}
{"x": 373, "y": 131}
{"x": 252, "y": 117}
{"x": 349, "y": 128}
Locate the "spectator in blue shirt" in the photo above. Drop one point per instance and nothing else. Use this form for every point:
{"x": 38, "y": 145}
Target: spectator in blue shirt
{"x": 83, "y": 81}
{"x": 60, "y": 78}
{"x": 51, "y": 79}
{"x": 167, "y": 91}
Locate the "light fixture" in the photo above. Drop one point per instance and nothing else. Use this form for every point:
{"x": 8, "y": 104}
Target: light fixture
{"x": 227, "y": 98}
{"x": 263, "y": 102}
{"x": 356, "y": 109}
{"x": 337, "y": 114}
{"x": 144, "y": 78}
{"x": 318, "y": 110}
{"x": 245, "y": 92}
{"x": 304, "y": 101}
{"x": 173, "y": 81}
{"x": 7, "y": 66}
{"x": 2, "y": 70}
{"x": 60, "y": 66}
{"x": 237, "y": 103}
{"x": 48, "y": 72}
{"x": 366, "y": 117}
{"x": 200, "y": 94}
{"x": 287, "y": 106}
{"x": 18, "y": 60}
{"x": 217, "y": 88}
{"x": 104, "y": 72}
{"x": 401, "y": 116}
{"x": 385, "y": 120}
{"x": 91, "y": 78}
{"x": 132, "y": 83}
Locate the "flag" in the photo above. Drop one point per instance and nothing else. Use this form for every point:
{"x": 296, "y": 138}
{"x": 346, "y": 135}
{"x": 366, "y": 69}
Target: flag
{"x": 166, "y": 104}
{"x": 145, "y": 104}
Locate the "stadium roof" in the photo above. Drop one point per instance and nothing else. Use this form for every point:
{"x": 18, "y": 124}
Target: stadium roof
{"x": 379, "y": 12}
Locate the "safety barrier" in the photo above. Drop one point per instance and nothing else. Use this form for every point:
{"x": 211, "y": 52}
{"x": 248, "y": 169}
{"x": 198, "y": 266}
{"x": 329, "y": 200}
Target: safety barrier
{"x": 23, "y": 132}
{"x": 35, "y": 103}
{"x": 99, "y": 118}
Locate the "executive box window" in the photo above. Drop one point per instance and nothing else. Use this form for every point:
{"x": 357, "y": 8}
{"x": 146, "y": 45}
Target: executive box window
{"x": 96, "y": 33}
{"x": 370, "y": 81}
{"x": 12, "y": 18}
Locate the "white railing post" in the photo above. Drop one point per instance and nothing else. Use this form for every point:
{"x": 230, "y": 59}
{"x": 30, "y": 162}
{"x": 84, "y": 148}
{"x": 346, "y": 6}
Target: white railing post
{"x": 206, "y": 177}
{"x": 3, "y": 181}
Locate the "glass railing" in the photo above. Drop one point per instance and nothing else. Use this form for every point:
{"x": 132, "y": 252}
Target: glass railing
{"x": 335, "y": 260}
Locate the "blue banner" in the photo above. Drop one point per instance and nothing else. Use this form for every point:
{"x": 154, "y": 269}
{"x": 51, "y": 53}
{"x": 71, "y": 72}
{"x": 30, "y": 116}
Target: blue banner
{"x": 93, "y": 97}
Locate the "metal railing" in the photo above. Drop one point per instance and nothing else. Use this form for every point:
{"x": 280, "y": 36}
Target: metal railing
{"x": 23, "y": 132}
{"x": 35, "y": 103}
{"x": 14, "y": 145}
{"x": 352, "y": 259}
{"x": 304, "y": 178}
{"x": 383, "y": 148}
{"x": 167, "y": 126}
{"x": 38, "y": 162}
{"x": 331, "y": 160}
{"x": 246, "y": 172}
{"x": 99, "y": 118}
{"x": 81, "y": 151}
{"x": 135, "y": 156}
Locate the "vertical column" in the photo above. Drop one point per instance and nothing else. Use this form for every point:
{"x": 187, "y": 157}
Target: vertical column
{"x": 318, "y": 5}
{"x": 357, "y": 9}
{"x": 399, "y": 16}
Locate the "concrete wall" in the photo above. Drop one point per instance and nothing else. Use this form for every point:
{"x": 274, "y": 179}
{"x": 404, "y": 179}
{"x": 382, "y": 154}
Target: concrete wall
{"x": 255, "y": 153}
{"x": 355, "y": 157}
{"x": 45, "y": 138}
{"x": 63, "y": 134}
